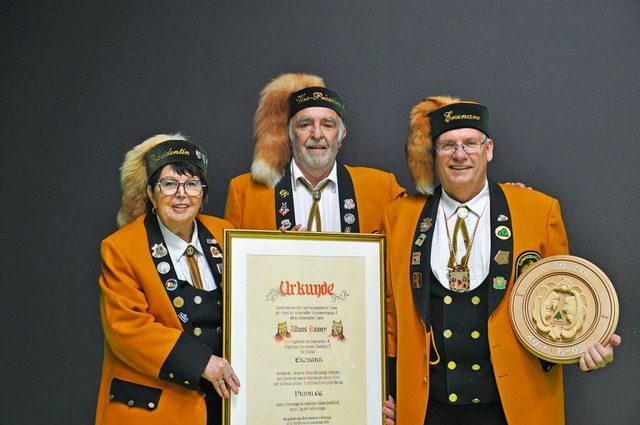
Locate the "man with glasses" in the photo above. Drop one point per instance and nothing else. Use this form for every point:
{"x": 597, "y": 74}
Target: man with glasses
{"x": 452, "y": 259}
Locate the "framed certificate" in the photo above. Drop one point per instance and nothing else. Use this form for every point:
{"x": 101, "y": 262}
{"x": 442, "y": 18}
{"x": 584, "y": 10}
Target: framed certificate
{"x": 305, "y": 327}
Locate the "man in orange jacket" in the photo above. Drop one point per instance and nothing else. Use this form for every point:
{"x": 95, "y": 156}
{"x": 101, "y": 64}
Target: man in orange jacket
{"x": 451, "y": 264}
{"x": 298, "y": 116}
{"x": 295, "y": 181}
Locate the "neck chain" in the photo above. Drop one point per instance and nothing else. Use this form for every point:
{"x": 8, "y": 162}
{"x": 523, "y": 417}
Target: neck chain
{"x": 459, "y": 274}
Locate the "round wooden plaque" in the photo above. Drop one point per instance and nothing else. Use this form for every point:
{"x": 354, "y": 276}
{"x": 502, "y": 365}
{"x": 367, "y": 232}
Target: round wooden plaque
{"x": 562, "y": 305}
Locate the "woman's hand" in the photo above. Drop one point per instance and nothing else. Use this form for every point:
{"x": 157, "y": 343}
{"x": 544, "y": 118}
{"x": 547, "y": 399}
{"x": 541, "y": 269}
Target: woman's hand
{"x": 220, "y": 373}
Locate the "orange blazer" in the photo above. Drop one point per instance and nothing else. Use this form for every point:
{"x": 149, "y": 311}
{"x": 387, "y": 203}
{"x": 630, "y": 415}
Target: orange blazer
{"x": 251, "y": 205}
{"x": 527, "y": 392}
{"x": 142, "y": 331}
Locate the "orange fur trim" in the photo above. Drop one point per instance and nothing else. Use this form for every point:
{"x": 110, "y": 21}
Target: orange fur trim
{"x": 419, "y": 146}
{"x": 133, "y": 179}
{"x": 272, "y": 152}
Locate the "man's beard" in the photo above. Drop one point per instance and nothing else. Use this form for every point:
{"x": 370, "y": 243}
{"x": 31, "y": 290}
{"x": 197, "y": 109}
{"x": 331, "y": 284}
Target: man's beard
{"x": 319, "y": 159}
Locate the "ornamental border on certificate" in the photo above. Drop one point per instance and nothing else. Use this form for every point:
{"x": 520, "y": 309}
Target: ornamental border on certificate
{"x": 242, "y": 248}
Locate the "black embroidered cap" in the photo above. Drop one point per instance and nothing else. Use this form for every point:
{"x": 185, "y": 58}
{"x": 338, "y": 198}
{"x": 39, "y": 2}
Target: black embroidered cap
{"x": 310, "y": 97}
{"x": 459, "y": 115}
{"x": 173, "y": 151}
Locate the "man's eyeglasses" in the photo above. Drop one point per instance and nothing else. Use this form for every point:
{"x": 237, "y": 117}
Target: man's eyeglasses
{"x": 470, "y": 146}
{"x": 191, "y": 187}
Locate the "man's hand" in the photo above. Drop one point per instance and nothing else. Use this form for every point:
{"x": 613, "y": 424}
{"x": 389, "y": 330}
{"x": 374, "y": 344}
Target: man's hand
{"x": 389, "y": 409}
{"x": 518, "y": 184}
{"x": 297, "y": 228}
{"x": 598, "y": 355}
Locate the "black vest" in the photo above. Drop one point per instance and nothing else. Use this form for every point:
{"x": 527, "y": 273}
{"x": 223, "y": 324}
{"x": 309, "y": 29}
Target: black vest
{"x": 464, "y": 373}
{"x": 429, "y": 297}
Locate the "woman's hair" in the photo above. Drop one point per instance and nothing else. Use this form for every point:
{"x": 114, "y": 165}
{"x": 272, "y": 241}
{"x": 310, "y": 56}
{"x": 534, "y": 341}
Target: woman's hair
{"x": 182, "y": 169}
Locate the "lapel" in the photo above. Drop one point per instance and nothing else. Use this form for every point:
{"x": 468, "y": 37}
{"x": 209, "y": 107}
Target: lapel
{"x": 501, "y": 246}
{"x": 285, "y": 215}
{"x": 420, "y": 266}
{"x": 165, "y": 270}
{"x": 349, "y": 222}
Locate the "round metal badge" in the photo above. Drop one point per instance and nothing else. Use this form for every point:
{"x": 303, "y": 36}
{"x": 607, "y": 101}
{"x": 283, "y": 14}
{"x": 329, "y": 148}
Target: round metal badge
{"x": 562, "y": 305}
{"x": 163, "y": 267}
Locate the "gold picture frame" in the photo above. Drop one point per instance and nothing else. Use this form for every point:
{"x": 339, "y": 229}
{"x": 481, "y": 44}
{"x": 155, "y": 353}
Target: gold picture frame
{"x": 304, "y": 323}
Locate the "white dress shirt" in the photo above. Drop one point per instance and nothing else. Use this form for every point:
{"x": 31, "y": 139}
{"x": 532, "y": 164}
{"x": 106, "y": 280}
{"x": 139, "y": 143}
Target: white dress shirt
{"x": 329, "y": 204}
{"x": 177, "y": 247}
{"x": 479, "y": 262}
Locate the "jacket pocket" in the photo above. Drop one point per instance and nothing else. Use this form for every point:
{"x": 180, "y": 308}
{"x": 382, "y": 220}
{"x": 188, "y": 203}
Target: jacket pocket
{"x": 134, "y": 395}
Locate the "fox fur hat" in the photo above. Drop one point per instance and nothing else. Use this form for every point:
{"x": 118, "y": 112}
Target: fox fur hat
{"x": 272, "y": 151}
{"x": 141, "y": 162}
{"x": 426, "y": 123}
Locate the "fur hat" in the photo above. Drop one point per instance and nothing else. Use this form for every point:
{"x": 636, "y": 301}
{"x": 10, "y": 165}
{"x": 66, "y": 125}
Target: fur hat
{"x": 134, "y": 179}
{"x": 272, "y": 152}
{"x": 425, "y": 125}
{"x": 419, "y": 145}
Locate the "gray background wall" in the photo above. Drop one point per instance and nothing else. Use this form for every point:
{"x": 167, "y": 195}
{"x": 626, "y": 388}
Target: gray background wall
{"x": 81, "y": 82}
